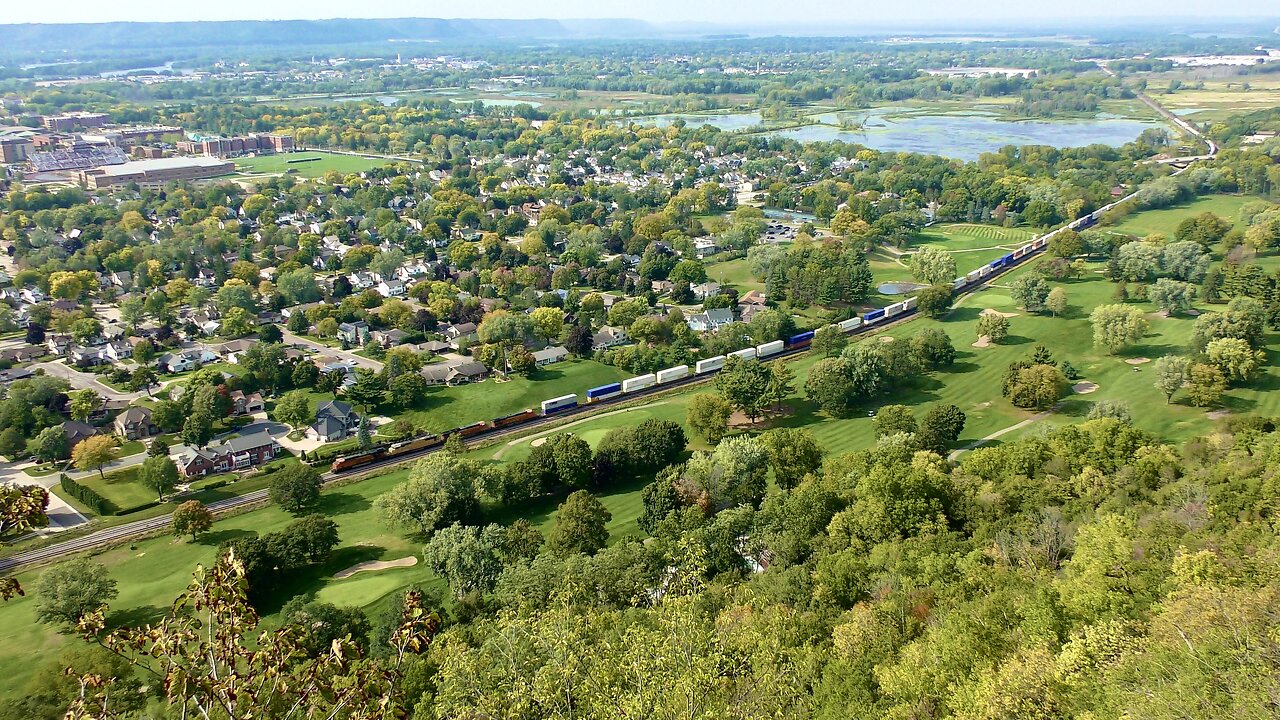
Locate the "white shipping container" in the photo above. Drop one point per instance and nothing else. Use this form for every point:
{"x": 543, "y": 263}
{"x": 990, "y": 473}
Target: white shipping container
{"x": 672, "y": 374}
{"x": 710, "y": 364}
{"x": 638, "y": 383}
{"x": 563, "y": 401}
{"x": 769, "y": 348}
{"x": 745, "y": 353}
{"x": 852, "y": 323}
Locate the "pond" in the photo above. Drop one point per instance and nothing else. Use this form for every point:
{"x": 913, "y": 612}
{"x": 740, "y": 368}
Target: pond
{"x": 899, "y": 288}
{"x": 964, "y": 135}
{"x": 496, "y": 102}
{"x": 724, "y": 121}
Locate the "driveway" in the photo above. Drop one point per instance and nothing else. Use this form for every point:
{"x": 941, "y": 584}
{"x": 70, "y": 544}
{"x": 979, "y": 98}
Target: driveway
{"x": 323, "y": 349}
{"x": 61, "y": 515}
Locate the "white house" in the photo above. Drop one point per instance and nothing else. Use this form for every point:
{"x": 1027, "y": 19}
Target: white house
{"x": 710, "y": 320}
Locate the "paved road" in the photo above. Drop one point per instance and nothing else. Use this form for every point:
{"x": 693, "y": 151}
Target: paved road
{"x": 82, "y": 380}
{"x": 323, "y": 349}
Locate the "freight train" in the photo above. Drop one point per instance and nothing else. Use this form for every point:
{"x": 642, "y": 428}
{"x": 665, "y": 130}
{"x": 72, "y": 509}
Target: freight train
{"x": 652, "y": 381}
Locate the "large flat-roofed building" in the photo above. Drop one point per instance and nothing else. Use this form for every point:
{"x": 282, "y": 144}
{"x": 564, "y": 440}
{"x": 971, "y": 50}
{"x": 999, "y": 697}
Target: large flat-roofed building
{"x": 155, "y": 172}
{"x": 15, "y": 150}
{"x": 69, "y": 121}
{"x": 224, "y": 147}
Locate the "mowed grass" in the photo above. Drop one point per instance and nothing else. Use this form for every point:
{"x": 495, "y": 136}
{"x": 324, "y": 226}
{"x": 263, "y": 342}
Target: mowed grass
{"x": 154, "y": 571}
{"x": 1166, "y": 220}
{"x": 450, "y": 407}
{"x": 735, "y": 274}
{"x": 311, "y": 164}
{"x": 121, "y": 488}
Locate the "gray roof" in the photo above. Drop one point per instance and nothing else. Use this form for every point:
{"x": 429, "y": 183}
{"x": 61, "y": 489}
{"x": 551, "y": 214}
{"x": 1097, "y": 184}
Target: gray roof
{"x": 334, "y": 408}
{"x": 248, "y": 442}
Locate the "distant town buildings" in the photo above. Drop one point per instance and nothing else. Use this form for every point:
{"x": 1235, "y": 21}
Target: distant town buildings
{"x": 71, "y": 121}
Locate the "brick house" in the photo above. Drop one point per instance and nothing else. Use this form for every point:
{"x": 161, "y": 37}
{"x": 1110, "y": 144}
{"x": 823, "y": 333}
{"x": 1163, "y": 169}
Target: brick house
{"x": 238, "y": 453}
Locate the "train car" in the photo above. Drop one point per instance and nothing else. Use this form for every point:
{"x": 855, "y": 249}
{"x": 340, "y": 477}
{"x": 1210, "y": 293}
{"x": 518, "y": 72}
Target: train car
{"x": 1008, "y": 259}
{"x": 422, "y": 442}
{"x": 1022, "y": 251}
{"x": 984, "y": 271}
{"x": 744, "y": 354}
{"x": 973, "y": 276}
{"x": 709, "y": 365}
{"x": 515, "y": 418}
{"x": 1040, "y": 242}
{"x": 770, "y": 348}
{"x": 959, "y": 282}
{"x": 910, "y": 303}
{"x": 801, "y": 340}
{"x": 467, "y": 430}
{"x": 996, "y": 264}
{"x": 604, "y": 392}
{"x": 873, "y": 317}
{"x": 895, "y": 309}
{"x": 343, "y": 463}
{"x": 672, "y": 374}
{"x": 560, "y": 404}
{"x": 851, "y": 324}
{"x": 639, "y": 383}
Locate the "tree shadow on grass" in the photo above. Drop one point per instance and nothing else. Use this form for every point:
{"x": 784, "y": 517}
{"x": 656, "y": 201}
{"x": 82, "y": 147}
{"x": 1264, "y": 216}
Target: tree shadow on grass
{"x": 342, "y": 503}
{"x": 1074, "y": 407}
{"x": 136, "y": 617}
{"x": 218, "y": 537}
{"x": 966, "y": 313}
{"x": 312, "y": 578}
{"x": 1017, "y": 340}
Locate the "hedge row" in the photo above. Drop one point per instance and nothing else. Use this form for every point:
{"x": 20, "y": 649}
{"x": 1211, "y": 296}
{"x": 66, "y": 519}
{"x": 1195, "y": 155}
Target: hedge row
{"x": 86, "y": 495}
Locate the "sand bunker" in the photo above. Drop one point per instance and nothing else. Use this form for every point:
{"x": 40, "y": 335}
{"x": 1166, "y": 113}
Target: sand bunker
{"x": 993, "y": 311}
{"x": 1138, "y": 361}
{"x": 538, "y": 442}
{"x": 983, "y": 342}
{"x": 1084, "y": 388}
{"x": 887, "y": 338}
{"x": 1217, "y": 414}
{"x": 377, "y": 565}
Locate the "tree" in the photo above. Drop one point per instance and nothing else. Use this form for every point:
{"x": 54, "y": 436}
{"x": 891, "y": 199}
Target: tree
{"x": 207, "y": 658}
{"x": 1171, "y": 374}
{"x": 793, "y": 454}
{"x": 1234, "y": 358}
{"x": 94, "y": 452}
{"x": 197, "y": 429}
{"x": 1030, "y": 292}
{"x": 570, "y": 458}
{"x": 12, "y": 444}
{"x": 1116, "y": 327}
{"x": 1171, "y": 296}
{"x": 407, "y": 390}
{"x": 143, "y": 378}
{"x": 935, "y": 300}
{"x": 368, "y": 392}
{"x": 708, "y": 415}
{"x": 84, "y": 403}
{"x": 894, "y": 419}
{"x": 191, "y": 518}
{"x": 828, "y": 341}
{"x": 580, "y": 526}
{"x": 1066, "y": 244}
{"x": 578, "y": 340}
{"x": 159, "y": 474}
{"x": 940, "y": 427}
{"x": 1205, "y": 384}
{"x": 1037, "y": 386}
{"x": 440, "y": 491}
{"x": 932, "y": 266}
{"x": 1185, "y": 261}
{"x": 745, "y": 385}
{"x": 22, "y": 509}
{"x": 327, "y": 327}
{"x": 504, "y": 329}
{"x": 548, "y": 322}
{"x": 296, "y": 488}
{"x": 1056, "y": 301}
{"x": 994, "y": 327}
{"x": 1111, "y": 409}
{"x": 70, "y": 590}
{"x": 468, "y": 558}
{"x": 294, "y": 409}
{"x": 49, "y": 445}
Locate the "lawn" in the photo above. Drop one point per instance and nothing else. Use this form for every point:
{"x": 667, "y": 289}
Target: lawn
{"x": 151, "y": 572}
{"x": 450, "y": 407}
{"x": 1165, "y": 220}
{"x": 306, "y": 167}
{"x": 121, "y": 488}
{"x": 735, "y": 274}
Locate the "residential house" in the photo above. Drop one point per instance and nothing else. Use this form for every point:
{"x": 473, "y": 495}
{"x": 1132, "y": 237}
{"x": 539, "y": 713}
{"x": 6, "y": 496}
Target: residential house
{"x": 117, "y": 350}
{"x": 230, "y": 351}
{"x": 467, "y": 371}
{"x": 85, "y": 356}
{"x": 356, "y": 333}
{"x": 77, "y": 431}
{"x": 436, "y": 373}
{"x": 238, "y": 453}
{"x": 184, "y": 360}
{"x": 710, "y": 320}
{"x": 460, "y": 334}
{"x": 435, "y": 347}
{"x": 135, "y": 424}
{"x": 13, "y": 374}
{"x": 24, "y": 353}
{"x": 706, "y": 290}
{"x": 391, "y": 288}
{"x": 390, "y": 338}
{"x": 608, "y": 336}
{"x": 242, "y": 404}
{"x": 335, "y": 420}
{"x": 550, "y": 356}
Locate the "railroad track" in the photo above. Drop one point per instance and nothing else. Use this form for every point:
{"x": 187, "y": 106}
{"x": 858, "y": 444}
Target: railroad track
{"x": 142, "y": 528}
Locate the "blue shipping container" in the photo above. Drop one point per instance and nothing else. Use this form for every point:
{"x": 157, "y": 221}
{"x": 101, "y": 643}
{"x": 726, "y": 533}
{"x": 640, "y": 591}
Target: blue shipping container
{"x": 596, "y": 392}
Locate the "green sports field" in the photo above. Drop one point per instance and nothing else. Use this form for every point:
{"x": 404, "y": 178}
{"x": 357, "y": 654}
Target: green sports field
{"x": 311, "y": 164}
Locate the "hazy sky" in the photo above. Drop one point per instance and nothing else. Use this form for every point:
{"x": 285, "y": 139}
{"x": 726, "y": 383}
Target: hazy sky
{"x": 719, "y": 11}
